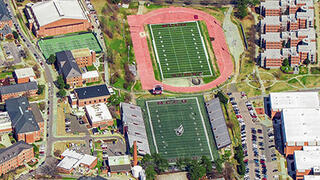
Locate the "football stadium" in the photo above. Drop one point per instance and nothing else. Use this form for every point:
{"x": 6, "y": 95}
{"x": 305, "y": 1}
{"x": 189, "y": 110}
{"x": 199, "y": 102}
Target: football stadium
{"x": 56, "y": 44}
{"x": 178, "y": 128}
{"x": 180, "y": 49}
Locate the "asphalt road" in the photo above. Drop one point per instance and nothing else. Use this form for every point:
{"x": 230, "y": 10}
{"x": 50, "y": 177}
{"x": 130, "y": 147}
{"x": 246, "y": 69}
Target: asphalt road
{"x": 36, "y": 52}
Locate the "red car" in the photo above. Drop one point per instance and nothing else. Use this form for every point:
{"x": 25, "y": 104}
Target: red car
{"x": 238, "y": 116}
{"x": 264, "y": 178}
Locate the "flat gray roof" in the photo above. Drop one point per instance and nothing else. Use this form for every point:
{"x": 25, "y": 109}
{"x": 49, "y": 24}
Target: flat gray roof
{"x": 218, "y": 123}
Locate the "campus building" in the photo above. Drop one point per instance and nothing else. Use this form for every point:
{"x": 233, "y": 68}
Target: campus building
{"x": 70, "y": 62}
{"x": 119, "y": 164}
{"x": 26, "y": 120}
{"x": 55, "y": 17}
{"x": 5, "y": 123}
{"x": 218, "y": 123}
{"x": 287, "y": 32}
{"x": 14, "y": 156}
{"x": 89, "y": 95}
{"x": 307, "y": 163}
{"x": 28, "y": 89}
{"x": 134, "y": 127}
{"x": 292, "y": 100}
{"x": 300, "y": 127}
{"x": 24, "y": 75}
{"x": 72, "y": 160}
{"x": 98, "y": 115}
{"x": 84, "y": 57}
{"x": 5, "y": 17}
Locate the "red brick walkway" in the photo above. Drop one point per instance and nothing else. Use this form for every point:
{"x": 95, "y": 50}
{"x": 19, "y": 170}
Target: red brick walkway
{"x": 172, "y": 15}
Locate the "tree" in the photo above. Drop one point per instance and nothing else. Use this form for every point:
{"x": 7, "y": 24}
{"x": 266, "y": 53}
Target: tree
{"x": 223, "y": 99}
{"x": 195, "y": 170}
{"x": 62, "y": 93}
{"x": 60, "y": 82}
{"x": 218, "y": 163}
{"x": 180, "y": 163}
{"x": 150, "y": 172}
{"x": 285, "y": 62}
{"x": 67, "y": 86}
{"x": 206, "y": 163}
{"x": 15, "y": 34}
{"x": 306, "y": 62}
{"x": 40, "y": 88}
{"x": 242, "y": 11}
{"x": 52, "y": 59}
{"x": 161, "y": 163}
{"x": 114, "y": 100}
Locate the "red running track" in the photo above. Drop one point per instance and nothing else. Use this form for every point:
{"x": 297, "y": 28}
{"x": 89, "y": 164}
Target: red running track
{"x": 172, "y": 15}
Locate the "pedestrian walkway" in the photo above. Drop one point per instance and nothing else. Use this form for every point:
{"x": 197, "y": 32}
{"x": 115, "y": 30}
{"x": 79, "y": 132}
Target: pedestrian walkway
{"x": 234, "y": 40}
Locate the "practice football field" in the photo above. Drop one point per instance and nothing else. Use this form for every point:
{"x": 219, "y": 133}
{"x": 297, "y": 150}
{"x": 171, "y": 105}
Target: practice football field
{"x": 178, "y": 128}
{"x": 180, "y": 50}
{"x": 56, "y": 44}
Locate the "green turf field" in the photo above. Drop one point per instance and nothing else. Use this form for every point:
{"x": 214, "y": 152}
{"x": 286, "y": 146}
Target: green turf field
{"x": 180, "y": 50}
{"x": 163, "y": 118}
{"x": 53, "y": 45}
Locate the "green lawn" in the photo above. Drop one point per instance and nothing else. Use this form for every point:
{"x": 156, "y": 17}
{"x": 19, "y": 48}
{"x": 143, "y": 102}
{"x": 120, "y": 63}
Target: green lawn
{"x": 5, "y": 75}
{"x": 91, "y": 68}
{"x": 85, "y": 40}
{"x": 166, "y": 116}
{"x": 180, "y": 50}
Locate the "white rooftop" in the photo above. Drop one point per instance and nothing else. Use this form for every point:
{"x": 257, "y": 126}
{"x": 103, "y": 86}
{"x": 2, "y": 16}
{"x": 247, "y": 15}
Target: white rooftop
{"x": 72, "y": 159}
{"x": 306, "y": 160}
{"x": 50, "y": 11}
{"x": 283, "y": 100}
{"x": 311, "y": 177}
{"x": 67, "y": 163}
{"x": 24, "y": 72}
{"x": 301, "y": 125}
{"x": 90, "y": 74}
{"x": 98, "y": 112}
{"x": 5, "y": 121}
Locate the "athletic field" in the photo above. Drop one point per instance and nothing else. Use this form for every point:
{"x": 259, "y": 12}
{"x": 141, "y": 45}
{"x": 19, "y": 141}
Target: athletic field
{"x": 56, "y": 44}
{"x": 180, "y": 50}
{"x": 179, "y": 128}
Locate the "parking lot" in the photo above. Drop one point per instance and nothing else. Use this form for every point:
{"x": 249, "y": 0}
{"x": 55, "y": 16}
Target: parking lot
{"x": 257, "y": 140}
{"x": 12, "y": 52}
{"x": 73, "y": 125}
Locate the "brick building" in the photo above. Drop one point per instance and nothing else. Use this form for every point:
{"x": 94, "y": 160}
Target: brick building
{"x": 70, "y": 62}
{"x": 98, "y": 115}
{"x": 17, "y": 90}
{"x": 294, "y": 20}
{"x": 84, "y": 57}
{"x": 14, "y": 156}
{"x": 69, "y": 69}
{"x": 26, "y": 122}
{"x": 55, "y": 17}
{"x": 5, "y": 17}
{"x": 24, "y": 75}
{"x": 90, "y": 95}
{"x": 72, "y": 160}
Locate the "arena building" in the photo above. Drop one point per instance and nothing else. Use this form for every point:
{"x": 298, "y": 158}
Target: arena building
{"x": 54, "y": 17}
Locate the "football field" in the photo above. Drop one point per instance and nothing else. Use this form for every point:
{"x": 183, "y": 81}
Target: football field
{"x": 78, "y": 41}
{"x": 178, "y": 128}
{"x": 180, "y": 50}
